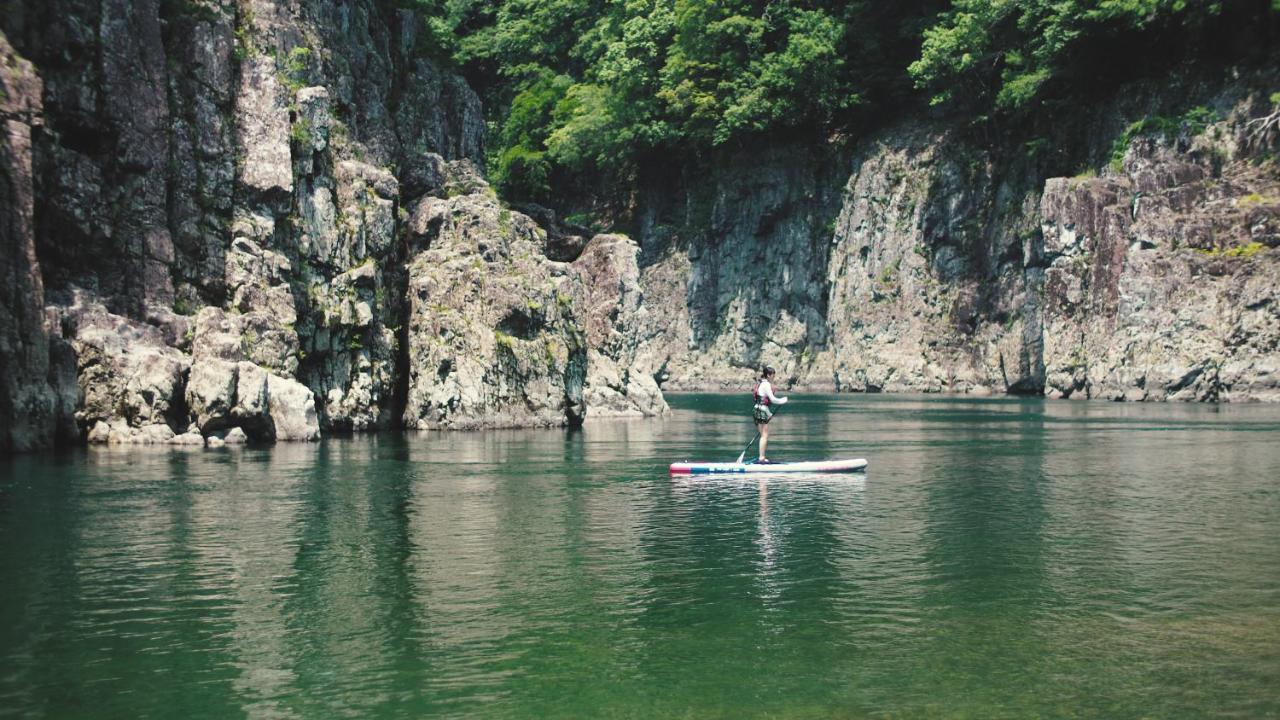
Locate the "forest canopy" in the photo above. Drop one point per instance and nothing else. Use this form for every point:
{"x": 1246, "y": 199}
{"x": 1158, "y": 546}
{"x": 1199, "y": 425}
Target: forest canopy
{"x": 587, "y": 88}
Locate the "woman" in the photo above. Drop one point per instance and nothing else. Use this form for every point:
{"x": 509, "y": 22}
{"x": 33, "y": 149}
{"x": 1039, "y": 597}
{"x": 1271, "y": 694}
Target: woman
{"x": 764, "y": 400}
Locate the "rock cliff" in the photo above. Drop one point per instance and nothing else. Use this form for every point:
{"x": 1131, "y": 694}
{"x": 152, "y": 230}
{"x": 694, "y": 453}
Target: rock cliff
{"x": 494, "y": 328}
{"x": 1161, "y": 279}
{"x": 35, "y": 406}
{"x": 259, "y": 219}
{"x": 921, "y": 260}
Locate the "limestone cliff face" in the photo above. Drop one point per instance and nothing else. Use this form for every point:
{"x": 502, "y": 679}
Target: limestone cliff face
{"x": 207, "y": 231}
{"x": 917, "y": 261}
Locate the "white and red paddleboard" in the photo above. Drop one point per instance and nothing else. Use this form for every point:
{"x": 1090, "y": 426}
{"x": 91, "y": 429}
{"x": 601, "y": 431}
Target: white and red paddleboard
{"x": 728, "y": 468}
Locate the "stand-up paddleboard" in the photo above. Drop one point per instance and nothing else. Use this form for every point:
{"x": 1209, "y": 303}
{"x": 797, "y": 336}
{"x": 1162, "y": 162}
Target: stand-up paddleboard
{"x": 728, "y": 468}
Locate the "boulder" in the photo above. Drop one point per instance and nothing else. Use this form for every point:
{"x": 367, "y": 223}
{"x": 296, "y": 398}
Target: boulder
{"x": 251, "y": 401}
{"x": 211, "y": 392}
{"x": 126, "y": 374}
{"x": 293, "y": 409}
{"x": 157, "y": 434}
{"x": 100, "y": 432}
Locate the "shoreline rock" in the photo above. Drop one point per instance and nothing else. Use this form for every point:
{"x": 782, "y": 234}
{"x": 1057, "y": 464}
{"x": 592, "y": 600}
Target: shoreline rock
{"x": 493, "y": 335}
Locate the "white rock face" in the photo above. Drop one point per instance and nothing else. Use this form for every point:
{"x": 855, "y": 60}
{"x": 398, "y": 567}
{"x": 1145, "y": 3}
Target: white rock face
{"x": 211, "y": 392}
{"x": 263, "y": 129}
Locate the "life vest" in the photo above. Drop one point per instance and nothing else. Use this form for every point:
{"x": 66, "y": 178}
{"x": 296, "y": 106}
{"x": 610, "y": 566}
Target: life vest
{"x": 755, "y": 393}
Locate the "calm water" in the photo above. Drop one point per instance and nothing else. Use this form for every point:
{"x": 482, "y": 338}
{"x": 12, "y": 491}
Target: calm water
{"x": 999, "y": 558}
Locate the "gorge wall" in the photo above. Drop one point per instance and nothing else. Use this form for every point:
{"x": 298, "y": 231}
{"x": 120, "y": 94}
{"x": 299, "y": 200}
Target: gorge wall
{"x": 249, "y": 219}
{"x": 254, "y": 219}
{"x": 922, "y": 260}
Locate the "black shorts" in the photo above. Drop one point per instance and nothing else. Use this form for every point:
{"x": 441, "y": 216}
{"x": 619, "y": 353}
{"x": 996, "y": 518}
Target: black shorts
{"x": 762, "y": 414}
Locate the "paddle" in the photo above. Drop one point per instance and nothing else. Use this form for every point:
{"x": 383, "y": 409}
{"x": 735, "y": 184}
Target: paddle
{"x": 743, "y": 456}
{"x": 748, "y": 447}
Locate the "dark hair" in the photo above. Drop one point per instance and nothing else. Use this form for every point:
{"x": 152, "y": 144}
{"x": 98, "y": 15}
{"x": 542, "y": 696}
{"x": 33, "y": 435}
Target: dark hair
{"x": 766, "y": 371}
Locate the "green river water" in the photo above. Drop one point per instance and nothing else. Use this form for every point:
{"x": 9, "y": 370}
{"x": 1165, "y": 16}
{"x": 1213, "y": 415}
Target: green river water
{"x": 999, "y": 559}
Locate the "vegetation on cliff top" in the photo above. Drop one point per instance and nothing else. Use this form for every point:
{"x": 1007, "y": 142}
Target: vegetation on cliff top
{"x": 589, "y": 88}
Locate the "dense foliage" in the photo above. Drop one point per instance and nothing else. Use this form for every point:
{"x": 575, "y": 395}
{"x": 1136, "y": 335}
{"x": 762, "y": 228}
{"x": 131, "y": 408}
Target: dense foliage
{"x": 586, "y": 88}
{"x": 1012, "y": 53}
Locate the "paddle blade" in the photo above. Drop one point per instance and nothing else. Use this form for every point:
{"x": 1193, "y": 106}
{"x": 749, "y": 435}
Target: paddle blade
{"x": 741, "y": 457}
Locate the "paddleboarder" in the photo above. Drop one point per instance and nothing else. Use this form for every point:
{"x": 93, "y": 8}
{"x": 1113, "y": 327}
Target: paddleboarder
{"x": 764, "y": 399}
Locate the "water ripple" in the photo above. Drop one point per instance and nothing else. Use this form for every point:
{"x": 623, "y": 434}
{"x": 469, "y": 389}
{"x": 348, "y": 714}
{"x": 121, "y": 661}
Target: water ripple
{"x": 998, "y": 559}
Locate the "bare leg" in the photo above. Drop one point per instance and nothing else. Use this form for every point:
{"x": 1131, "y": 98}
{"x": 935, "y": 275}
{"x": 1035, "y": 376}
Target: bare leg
{"x": 764, "y": 439}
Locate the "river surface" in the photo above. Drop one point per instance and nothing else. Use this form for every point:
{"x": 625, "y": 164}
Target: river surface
{"x": 999, "y": 559}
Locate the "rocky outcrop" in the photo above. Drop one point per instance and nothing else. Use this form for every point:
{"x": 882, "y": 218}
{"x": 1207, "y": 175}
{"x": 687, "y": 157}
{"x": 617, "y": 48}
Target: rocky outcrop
{"x": 364, "y": 121}
{"x": 220, "y": 183}
{"x": 494, "y": 327}
{"x": 132, "y": 386}
{"x": 220, "y": 203}
{"x": 621, "y": 367}
{"x": 292, "y": 407}
{"x": 1161, "y": 281}
{"x": 128, "y": 376}
{"x": 241, "y": 376}
{"x": 127, "y": 380}
{"x": 350, "y": 235}
{"x": 260, "y": 405}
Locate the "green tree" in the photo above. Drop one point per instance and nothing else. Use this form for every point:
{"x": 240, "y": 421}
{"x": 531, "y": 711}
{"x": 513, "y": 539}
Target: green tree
{"x": 582, "y": 93}
{"x": 1008, "y": 53}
